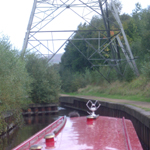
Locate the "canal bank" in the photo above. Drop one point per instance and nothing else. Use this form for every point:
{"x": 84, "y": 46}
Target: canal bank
{"x": 139, "y": 117}
{"x": 33, "y": 110}
{"x": 38, "y": 109}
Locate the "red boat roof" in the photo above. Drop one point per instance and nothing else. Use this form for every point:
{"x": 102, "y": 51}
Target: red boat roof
{"x": 103, "y": 133}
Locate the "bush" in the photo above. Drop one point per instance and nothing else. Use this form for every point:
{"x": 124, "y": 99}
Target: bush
{"x": 14, "y": 82}
{"x": 46, "y": 81}
{"x": 145, "y": 69}
{"x": 129, "y": 74}
{"x": 78, "y": 81}
{"x": 95, "y": 77}
{"x": 71, "y": 82}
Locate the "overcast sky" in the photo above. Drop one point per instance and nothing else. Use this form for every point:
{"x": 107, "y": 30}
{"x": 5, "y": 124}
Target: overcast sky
{"x": 14, "y": 16}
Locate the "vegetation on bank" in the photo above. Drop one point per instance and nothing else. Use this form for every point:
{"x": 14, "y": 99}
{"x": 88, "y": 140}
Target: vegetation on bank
{"x": 24, "y": 80}
{"x": 137, "y": 90}
{"x": 76, "y": 72}
{"x": 14, "y": 84}
{"x": 46, "y": 81}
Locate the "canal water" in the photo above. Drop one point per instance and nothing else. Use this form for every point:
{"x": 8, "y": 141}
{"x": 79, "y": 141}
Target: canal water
{"x": 32, "y": 124}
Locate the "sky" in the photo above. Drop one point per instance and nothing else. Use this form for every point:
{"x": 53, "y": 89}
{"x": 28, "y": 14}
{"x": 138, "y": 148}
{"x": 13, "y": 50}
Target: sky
{"x": 14, "y": 16}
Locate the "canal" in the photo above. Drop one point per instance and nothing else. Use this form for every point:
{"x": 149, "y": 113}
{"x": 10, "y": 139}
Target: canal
{"x": 32, "y": 124}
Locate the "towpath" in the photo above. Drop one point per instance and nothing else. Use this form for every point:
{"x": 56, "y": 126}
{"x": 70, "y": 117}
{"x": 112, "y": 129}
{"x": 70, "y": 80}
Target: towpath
{"x": 143, "y": 105}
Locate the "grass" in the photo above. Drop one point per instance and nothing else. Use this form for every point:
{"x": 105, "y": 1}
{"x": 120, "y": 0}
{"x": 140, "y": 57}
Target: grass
{"x": 130, "y": 97}
{"x": 137, "y": 90}
{"x": 133, "y": 98}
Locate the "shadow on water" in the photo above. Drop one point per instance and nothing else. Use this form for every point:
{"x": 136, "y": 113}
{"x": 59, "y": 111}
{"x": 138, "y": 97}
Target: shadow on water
{"x": 32, "y": 124}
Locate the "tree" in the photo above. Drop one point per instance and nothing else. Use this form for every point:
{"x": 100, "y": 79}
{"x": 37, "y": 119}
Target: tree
{"x": 137, "y": 9}
{"x": 72, "y": 59}
{"x": 46, "y": 82}
{"x": 146, "y": 31}
{"x": 14, "y": 83}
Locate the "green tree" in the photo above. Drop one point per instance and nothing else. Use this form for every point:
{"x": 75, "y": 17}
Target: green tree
{"x": 146, "y": 32}
{"x": 73, "y": 59}
{"x": 46, "y": 82}
{"x": 72, "y": 81}
{"x": 14, "y": 83}
{"x": 137, "y": 29}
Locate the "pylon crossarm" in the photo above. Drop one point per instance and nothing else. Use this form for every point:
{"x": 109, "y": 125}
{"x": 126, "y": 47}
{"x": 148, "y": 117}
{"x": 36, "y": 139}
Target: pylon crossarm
{"x": 46, "y": 23}
{"x": 60, "y": 47}
{"x": 34, "y": 47}
{"x": 45, "y": 36}
{"x": 91, "y": 46}
{"x": 108, "y": 41}
{"x": 112, "y": 40}
{"x": 42, "y": 44}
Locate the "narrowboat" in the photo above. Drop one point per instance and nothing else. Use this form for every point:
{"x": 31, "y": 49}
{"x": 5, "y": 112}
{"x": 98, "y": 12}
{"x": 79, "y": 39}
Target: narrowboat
{"x": 92, "y": 132}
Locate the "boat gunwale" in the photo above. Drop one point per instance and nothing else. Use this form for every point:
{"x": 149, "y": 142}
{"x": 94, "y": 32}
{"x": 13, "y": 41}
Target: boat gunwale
{"x": 61, "y": 121}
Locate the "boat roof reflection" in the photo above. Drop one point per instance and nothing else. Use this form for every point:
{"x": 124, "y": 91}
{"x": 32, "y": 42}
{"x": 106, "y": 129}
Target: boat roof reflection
{"x": 104, "y": 133}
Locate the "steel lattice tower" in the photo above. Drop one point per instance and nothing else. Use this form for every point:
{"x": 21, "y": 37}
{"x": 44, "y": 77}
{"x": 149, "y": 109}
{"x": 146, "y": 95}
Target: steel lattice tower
{"x": 53, "y": 23}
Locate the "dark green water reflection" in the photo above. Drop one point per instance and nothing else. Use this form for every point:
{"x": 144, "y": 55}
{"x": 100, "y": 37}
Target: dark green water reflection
{"x": 32, "y": 124}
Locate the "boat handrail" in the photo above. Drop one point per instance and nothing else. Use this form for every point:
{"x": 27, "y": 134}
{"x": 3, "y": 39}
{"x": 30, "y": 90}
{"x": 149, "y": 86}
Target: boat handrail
{"x": 60, "y": 123}
{"x": 60, "y": 126}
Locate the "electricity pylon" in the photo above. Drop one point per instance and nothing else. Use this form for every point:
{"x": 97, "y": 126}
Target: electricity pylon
{"x": 53, "y": 24}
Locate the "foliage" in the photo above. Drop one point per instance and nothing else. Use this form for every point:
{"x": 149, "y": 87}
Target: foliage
{"x": 14, "y": 83}
{"x": 142, "y": 22}
{"x": 138, "y": 90}
{"x": 137, "y": 29}
{"x": 72, "y": 82}
{"x": 146, "y": 70}
{"x": 72, "y": 58}
{"x": 129, "y": 74}
{"x": 46, "y": 81}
